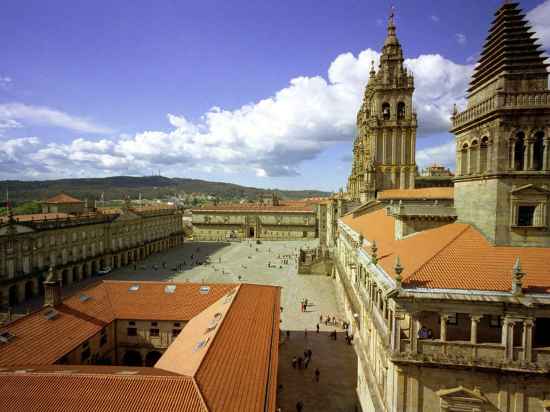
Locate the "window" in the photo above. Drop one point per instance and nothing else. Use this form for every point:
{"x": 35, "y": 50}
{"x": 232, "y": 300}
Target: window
{"x": 386, "y": 111}
{"x": 177, "y": 324}
{"x": 132, "y": 332}
{"x": 154, "y": 324}
{"x": 400, "y": 110}
{"x": 154, "y": 332}
{"x": 526, "y": 215}
{"x": 175, "y": 332}
{"x": 132, "y": 323}
{"x": 452, "y": 320}
{"x": 519, "y": 151}
{"x": 494, "y": 321}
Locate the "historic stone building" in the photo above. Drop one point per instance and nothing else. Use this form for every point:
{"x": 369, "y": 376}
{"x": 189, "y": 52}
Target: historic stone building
{"x": 77, "y": 242}
{"x": 448, "y": 290}
{"x": 144, "y": 346}
{"x": 271, "y": 219}
{"x": 384, "y": 149}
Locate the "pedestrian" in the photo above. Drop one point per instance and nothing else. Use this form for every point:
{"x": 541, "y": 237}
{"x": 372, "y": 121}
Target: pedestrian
{"x": 334, "y": 320}
{"x": 305, "y": 333}
{"x": 288, "y": 334}
{"x": 299, "y": 406}
{"x": 306, "y": 363}
{"x": 305, "y": 354}
{"x": 317, "y": 373}
{"x": 294, "y": 362}
{"x": 317, "y": 328}
{"x": 309, "y": 353}
{"x": 321, "y": 318}
{"x": 300, "y": 362}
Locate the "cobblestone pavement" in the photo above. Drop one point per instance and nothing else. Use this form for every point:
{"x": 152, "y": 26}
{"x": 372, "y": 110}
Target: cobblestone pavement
{"x": 248, "y": 262}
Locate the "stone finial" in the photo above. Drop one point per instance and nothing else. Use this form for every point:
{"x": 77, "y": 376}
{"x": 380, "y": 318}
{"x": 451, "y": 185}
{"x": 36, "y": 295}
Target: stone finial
{"x": 517, "y": 276}
{"x": 52, "y": 289}
{"x": 372, "y": 71}
{"x": 361, "y": 239}
{"x": 455, "y": 110}
{"x": 374, "y": 249}
{"x": 398, "y": 269}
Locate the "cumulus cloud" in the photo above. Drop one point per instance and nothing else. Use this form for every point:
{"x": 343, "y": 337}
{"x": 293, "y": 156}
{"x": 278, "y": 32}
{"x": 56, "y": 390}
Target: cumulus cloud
{"x": 443, "y": 154}
{"x": 271, "y": 137}
{"x": 48, "y": 117}
{"x": 539, "y": 17}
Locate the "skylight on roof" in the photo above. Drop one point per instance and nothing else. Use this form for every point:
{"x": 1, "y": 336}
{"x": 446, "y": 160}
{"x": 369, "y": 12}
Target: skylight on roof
{"x": 169, "y": 288}
{"x": 204, "y": 290}
{"x": 84, "y": 297}
{"x": 133, "y": 288}
{"x": 51, "y": 314}
{"x": 201, "y": 344}
{"x": 6, "y": 337}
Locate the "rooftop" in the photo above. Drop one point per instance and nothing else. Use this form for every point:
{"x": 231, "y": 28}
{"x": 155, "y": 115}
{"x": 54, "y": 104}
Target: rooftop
{"x": 63, "y": 198}
{"x": 243, "y": 344}
{"x": 428, "y": 193}
{"x": 452, "y": 256}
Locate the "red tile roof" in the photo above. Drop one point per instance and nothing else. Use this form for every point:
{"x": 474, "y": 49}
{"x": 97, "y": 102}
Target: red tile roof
{"x": 432, "y": 193}
{"x": 236, "y": 372}
{"x": 452, "y": 256}
{"x": 74, "y": 392}
{"x": 284, "y": 207}
{"x": 63, "y": 198}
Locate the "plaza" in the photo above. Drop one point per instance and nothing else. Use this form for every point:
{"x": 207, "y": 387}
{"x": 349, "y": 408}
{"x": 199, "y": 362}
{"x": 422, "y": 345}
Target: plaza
{"x": 247, "y": 262}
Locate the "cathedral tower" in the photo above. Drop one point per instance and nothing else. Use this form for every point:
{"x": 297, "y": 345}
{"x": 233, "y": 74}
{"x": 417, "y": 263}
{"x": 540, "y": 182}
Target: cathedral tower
{"x": 502, "y": 183}
{"x": 384, "y": 149}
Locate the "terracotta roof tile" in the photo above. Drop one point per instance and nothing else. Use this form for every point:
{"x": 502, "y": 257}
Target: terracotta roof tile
{"x": 63, "y": 198}
{"x": 446, "y": 193}
{"x": 452, "y": 256}
{"x": 72, "y": 392}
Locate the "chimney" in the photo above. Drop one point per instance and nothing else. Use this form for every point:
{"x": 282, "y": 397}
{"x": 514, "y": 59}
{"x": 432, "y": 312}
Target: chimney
{"x": 52, "y": 289}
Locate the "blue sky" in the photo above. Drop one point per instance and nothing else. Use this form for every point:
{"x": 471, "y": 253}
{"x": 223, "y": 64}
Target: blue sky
{"x": 257, "y": 93}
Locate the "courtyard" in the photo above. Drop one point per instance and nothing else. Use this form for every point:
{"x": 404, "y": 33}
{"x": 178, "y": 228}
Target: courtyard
{"x": 269, "y": 263}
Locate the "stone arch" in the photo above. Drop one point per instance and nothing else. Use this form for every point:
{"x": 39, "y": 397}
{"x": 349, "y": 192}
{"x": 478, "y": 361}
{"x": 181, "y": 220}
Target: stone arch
{"x": 538, "y": 150}
{"x": 483, "y": 154}
{"x": 464, "y": 159}
{"x": 132, "y": 358}
{"x": 13, "y": 295}
{"x": 152, "y": 357}
{"x": 386, "y": 111}
{"x": 29, "y": 289}
{"x": 401, "y": 110}
{"x": 519, "y": 151}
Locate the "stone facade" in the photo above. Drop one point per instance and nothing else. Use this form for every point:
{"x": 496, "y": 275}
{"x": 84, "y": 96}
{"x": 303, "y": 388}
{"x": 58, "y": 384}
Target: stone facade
{"x": 384, "y": 149}
{"x": 502, "y": 184}
{"x": 268, "y": 221}
{"x": 78, "y": 245}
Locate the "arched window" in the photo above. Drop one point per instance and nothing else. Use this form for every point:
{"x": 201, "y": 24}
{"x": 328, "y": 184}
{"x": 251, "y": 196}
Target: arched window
{"x": 474, "y": 157}
{"x": 538, "y": 151}
{"x": 483, "y": 148}
{"x": 401, "y": 108}
{"x": 386, "y": 111}
{"x": 464, "y": 159}
{"x": 519, "y": 151}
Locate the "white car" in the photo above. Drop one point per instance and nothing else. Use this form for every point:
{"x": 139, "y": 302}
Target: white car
{"x": 104, "y": 271}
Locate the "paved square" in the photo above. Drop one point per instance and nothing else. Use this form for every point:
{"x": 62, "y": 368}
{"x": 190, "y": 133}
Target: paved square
{"x": 270, "y": 263}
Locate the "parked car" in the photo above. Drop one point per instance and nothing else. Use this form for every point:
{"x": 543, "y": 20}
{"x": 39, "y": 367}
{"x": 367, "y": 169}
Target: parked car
{"x": 106, "y": 270}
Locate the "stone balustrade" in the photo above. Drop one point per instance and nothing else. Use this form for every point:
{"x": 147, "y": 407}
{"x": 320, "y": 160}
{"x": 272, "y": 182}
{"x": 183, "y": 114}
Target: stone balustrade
{"x": 502, "y": 101}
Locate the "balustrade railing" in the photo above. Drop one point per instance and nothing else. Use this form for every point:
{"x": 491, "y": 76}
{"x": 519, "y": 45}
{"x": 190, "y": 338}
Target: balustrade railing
{"x": 502, "y": 101}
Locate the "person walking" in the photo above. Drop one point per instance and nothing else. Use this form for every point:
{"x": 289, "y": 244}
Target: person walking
{"x": 309, "y": 353}
{"x": 306, "y": 363}
{"x": 299, "y": 406}
{"x": 300, "y": 362}
{"x": 305, "y": 333}
{"x": 317, "y": 328}
{"x": 294, "y": 362}
{"x": 321, "y": 318}
{"x": 317, "y": 374}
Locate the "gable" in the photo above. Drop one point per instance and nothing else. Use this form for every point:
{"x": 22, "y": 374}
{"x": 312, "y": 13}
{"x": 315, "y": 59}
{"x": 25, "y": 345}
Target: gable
{"x": 530, "y": 190}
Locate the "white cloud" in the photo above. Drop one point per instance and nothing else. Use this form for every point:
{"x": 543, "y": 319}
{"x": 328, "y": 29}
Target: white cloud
{"x": 271, "y": 137}
{"x": 460, "y": 38}
{"x": 434, "y": 18}
{"x": 443, "y": 154}
{"x": 539, "y": 17}
{"x": 5, "y": 82}
{"x": 48, "y": 117}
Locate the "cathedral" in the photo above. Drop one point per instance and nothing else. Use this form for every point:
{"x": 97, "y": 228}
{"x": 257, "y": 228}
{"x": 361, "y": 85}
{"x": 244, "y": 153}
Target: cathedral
{"x": 447, "y": 289}
{"x": 384, "y": 149}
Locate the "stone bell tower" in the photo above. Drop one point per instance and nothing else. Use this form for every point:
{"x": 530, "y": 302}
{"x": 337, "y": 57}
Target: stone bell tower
{"x": 384, "y": 149}
{"x": 502, "y": 183}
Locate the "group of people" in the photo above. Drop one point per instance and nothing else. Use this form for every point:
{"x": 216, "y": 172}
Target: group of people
{"x": 425, "y": 333}
{"x": 304, "y": 303}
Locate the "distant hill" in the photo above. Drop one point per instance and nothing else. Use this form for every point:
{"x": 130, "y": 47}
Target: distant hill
{"x": 150, "y": 187}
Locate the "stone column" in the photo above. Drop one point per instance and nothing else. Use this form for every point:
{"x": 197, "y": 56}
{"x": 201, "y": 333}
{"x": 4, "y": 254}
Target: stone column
{"x": 512, "y": 156}
{"x": 402, "y": 178}
{"x": 508, "y": 337}
{"x": 473, "y": 330}
{"x": 384, "y": 146}
{"x": 394, "y": 147}
{"x": 396, "y": 331}
{"x": 527, "y": 340}
{"x": 403, "y": 147}
{"x": 443, "y": 326}
{"x": 414, "y": 328}
{"x": 528, "y": 155}
{"x": 413, "y": 148}
{"x": 546, "y": 154}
